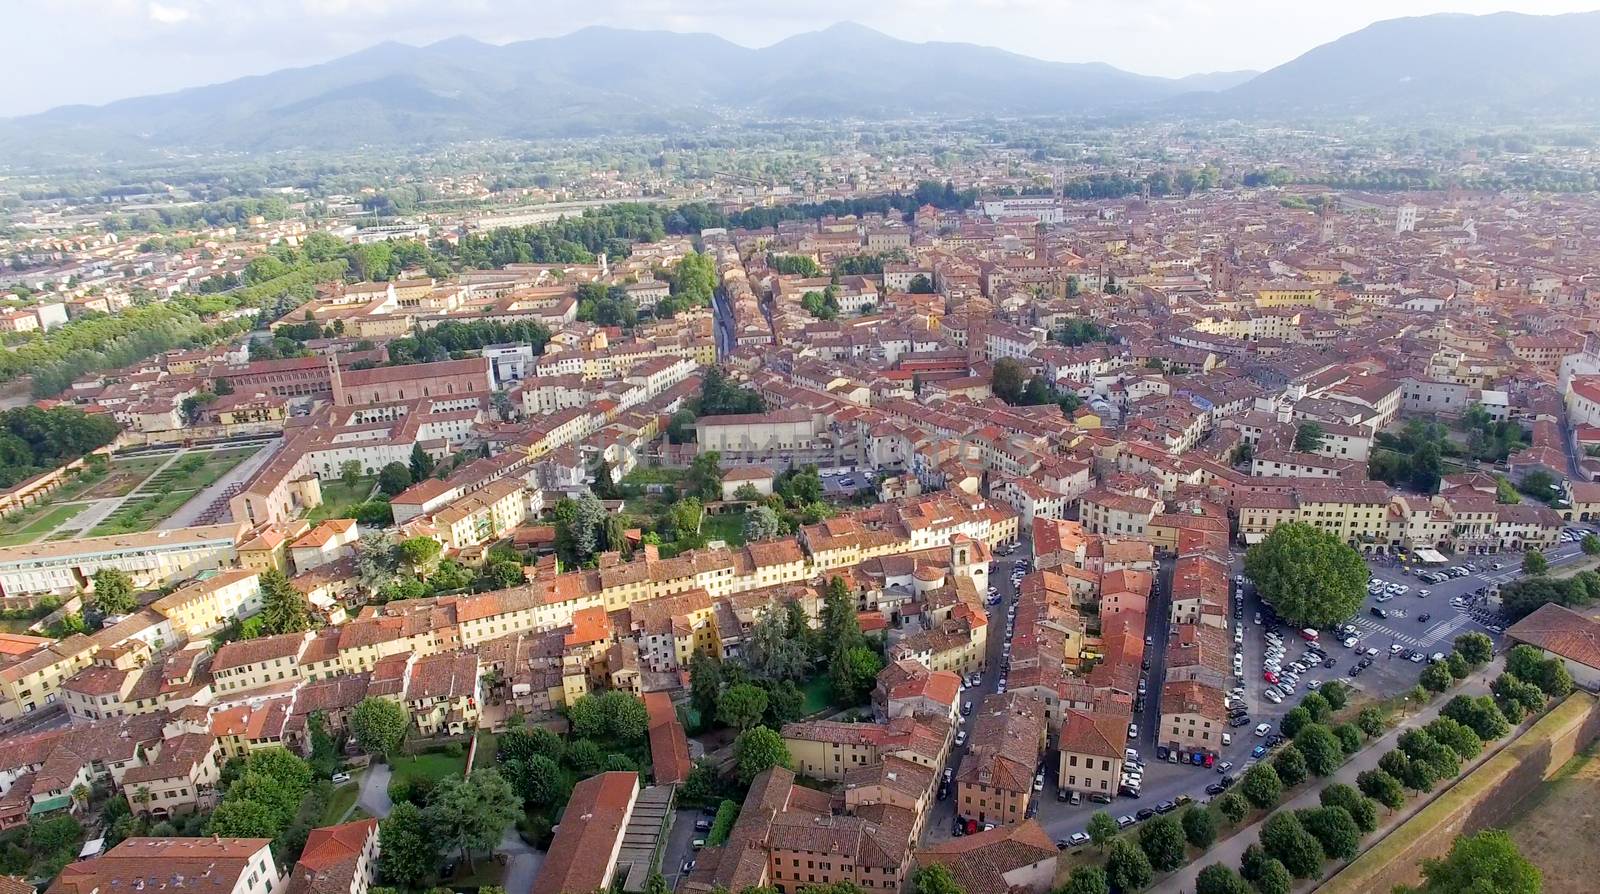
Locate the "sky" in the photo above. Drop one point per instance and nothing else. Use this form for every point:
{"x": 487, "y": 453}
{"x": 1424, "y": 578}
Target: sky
{"x": 94, "y": 51}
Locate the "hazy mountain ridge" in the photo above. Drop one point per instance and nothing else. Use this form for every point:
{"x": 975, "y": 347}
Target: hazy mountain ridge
{"x": 606, "y": 80}
{"x": 1507, "y": 63}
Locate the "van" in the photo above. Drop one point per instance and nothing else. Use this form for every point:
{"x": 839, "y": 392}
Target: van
{"x": 1309, "y": 635}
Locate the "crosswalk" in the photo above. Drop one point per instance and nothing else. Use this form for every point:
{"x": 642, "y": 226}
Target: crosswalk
{"x": 1437, "y": 632}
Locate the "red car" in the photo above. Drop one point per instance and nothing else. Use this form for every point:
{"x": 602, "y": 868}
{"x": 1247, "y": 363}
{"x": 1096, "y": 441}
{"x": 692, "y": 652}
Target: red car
{"x": 1210, "y": 759}
{"x": 1269, "y": 676}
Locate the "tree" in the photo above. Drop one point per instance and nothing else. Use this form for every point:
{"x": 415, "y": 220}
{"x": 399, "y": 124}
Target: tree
{"x": 757, "y": 750}
{"x": 1349, "y": 736}
{"x": 409, "y": 853}
{"x": 1127, "y": 868}
{"x": 1360, "y": 807}
{"x": 1309, "y": 576}
{"x": 243, "y": 819}
{"x": 615, "y": 715}
{"x": 935, "y": 878}
{"x": 1294, "y": 720}
{"x": 1487, "y": 861}
{"x": 761, "y": 523}
{"x": 1275, "y": 878}
{"x": 1220, "y": 879}
{"x": 1290, "y": 763}
{"x": 1475, "y": 648}
{"x": 1233, "y": 807}
{"x": 841, "y": 628}
{"x": 113, "y": 592}
{"x": 541, "y": 780}
{"x": 1323, "y": 753}
{"x": 1162, "y": 841}
{"x": 1102, "y": 828}
{"x": 350, "y": 472}
{"x": 420, "y": 552}
{"x": 378, "y": 725}
{"x": 1510, "y": 690}
{"x": 1261, "y": 786}
{"x": 1436, "y": 678}
{"x": 1308, "y": 437}
{"x": 742, "y": 706}
{"x": 421, "y": 465}
{"x": 1370, "y": 719}
{"x": 772, "y": 653}
{"x": 1008, "y": 380}
{"x": 704, "y": 478}
{"x": 472, "y": 815}
{"x": 1335, "y": 693}
{"x": 1590, "y": 544}
{"x": 1287, "y": 841}
{"x": 1479, "y": 714}
{"x": 920, "y": 285}
{"x": 852, "y": 674}
{"x": 1317, "y": 707}
{"x": 283, "y": 608}
{"x": 1534, "y": 562}
{"x": 1334, "y": 829}
{"x": 1455, "y": 736}
{"x": 705, "y": 684}
{"x": 1086, "y": 880}
{"x": 1199, "y": 826}
{"x": 394, "y": 478}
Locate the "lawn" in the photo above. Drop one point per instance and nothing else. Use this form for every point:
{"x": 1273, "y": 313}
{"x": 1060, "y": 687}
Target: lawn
{"x": 728, "y": 527}
{"x": 157, "y": 497}
{"x": 642, "y": 475}
{"x": 141, "y": 513}
{"x": 339, "y": 500}
{"x": 29, "y": 526}
{"x": 125, "y": 475}
{"x": 432, "y": 766}
{"x": 344, "y": 798}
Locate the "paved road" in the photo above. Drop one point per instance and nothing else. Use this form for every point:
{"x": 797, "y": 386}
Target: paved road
{"x": 374, "y": 798}
{"x": 522, "y": 861}
{"x": 679, "y": 847}
{"x": 200, "y": 502}
{"x": 1232, "y": 850}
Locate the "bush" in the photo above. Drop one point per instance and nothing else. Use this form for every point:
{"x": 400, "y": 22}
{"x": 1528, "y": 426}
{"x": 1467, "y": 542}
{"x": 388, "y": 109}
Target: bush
{"x": 727, "y": 812}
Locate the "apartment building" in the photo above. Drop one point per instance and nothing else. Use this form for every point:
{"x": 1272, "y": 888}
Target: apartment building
{"x": 1091, "y": 749}
{"x": 151, "y": 559}
{"x": 225, "y": 865}
{"x": 995, "y": 778}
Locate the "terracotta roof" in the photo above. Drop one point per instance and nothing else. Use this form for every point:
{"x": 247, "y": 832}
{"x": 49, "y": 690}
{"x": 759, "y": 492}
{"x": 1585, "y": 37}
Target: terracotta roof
{"x": 580, "y": 854}
{"x": 1560, "y": 631}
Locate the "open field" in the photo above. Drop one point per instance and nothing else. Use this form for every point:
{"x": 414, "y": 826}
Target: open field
{"x": 1559, "y": 813}
{"x": 432, "y": 766}
{"x": 32, "y": 525}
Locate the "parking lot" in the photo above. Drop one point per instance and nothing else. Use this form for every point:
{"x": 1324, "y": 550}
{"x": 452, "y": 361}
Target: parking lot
{"x": 1387, "y": 673}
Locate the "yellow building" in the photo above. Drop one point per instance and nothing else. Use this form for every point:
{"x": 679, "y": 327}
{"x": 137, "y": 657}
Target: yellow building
{"x": 212, "y": 603}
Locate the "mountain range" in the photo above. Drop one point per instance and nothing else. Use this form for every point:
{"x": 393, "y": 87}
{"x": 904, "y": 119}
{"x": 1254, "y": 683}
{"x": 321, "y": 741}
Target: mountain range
{"x": 606, "y": 80}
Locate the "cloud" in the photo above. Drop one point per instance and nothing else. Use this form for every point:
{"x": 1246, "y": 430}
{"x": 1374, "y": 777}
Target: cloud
{"x": 168, "y": 15}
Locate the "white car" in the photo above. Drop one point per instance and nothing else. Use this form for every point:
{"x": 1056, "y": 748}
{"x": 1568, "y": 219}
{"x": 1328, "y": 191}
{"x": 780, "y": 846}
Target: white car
{"x": 1262, "y": 729}
{"x": 1133, "y": 730}
{"x": 961, "y": 737}
{"x": 1272, "y": 695}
